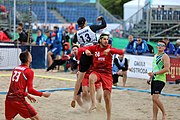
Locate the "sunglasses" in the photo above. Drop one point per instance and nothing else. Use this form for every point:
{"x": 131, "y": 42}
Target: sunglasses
{"x": 160, "y": 45}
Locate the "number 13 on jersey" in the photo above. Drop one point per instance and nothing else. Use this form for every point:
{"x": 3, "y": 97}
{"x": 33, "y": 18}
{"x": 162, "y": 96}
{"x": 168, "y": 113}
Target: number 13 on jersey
{"x": 86, "y": 38}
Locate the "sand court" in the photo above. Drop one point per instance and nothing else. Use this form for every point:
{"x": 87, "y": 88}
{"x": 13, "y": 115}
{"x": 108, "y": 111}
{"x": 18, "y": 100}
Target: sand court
{"x": 126, "y": 104}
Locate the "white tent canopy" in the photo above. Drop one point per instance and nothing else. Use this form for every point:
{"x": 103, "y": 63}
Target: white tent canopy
{"x": 166, "y": 2}
{"x": 132, "y": 7}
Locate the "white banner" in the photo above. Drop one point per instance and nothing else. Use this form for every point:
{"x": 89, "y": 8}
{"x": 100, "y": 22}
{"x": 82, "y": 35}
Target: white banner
{"x": 9, "y": 58}
{"x": 140, "y": 66}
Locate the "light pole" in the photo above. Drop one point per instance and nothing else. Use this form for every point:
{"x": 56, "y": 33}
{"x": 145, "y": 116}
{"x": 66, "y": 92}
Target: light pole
{"x": 45, "y": 9}
{"x": 14, "y": 24}
{"x": 137, "y": 15}
{"x": 98, "y": 8}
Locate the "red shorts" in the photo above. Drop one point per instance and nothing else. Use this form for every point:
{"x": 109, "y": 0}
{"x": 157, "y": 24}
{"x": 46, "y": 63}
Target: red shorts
{"x": 23, "y": 108}
{"x": 105, "y": 79}
{"x": 85, "y": 81}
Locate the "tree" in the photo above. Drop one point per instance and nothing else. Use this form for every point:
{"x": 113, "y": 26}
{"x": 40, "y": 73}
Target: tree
{"x": 115, "y": 7}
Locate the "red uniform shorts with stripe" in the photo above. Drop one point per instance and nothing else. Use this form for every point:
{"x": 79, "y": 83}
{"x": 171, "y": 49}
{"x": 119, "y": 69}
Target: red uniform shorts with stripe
{"x": 105, "y": 79}
{"x": 23, "y": 108}
{"x": 85, "y": 81}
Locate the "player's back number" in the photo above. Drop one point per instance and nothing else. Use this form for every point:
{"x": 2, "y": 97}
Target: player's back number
{"x": 86, "y": 38}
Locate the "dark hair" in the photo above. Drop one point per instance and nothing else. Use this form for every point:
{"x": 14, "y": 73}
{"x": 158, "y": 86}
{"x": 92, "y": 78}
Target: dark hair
{"x": 47, "y": 31}
{"x": 102, "y": 35}
{"x": 81, "y": 21}
{"x": 75, "y": 46}
{"x": 21, "y": 24}
{"x": 162, "y": 42}
{"x": 24, "y": 56}
{"x": 1, "y": 29}
{"x": 19, "y": 29}
{"x": 56, "y": 27}
{"x": 139, "y": 39}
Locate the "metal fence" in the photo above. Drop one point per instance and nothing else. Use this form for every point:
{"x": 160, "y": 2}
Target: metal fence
{"x": 138, "y": 22}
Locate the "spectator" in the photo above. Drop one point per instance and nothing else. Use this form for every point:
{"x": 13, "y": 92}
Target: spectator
{"x": 4, "y": 37}
{"x": 48, "y": 42}
{"x": 150, "y": 47}
{"x": 71, "y": 28}
{"x": 8, "y": 33}
{"x": 23, "y": 38}
{"x": 73, "y": 60}
{"x": 139, "y": 47}
{"x": 2, "y": 8}
{"x": 129, "y": 48}
{"x": 40, "y": 40}
{"x": 117, "y": 32}
{"x": 120, "y": 67}
{"x": 35, "y": 28}
{"x": 3, "y": 12}
{"x": 21, "y": 25}
{"x": 65, "y": 57}
{"x": 24, "y": 33}
{"x": 127, "y": 26}
{"x": 146, "y": 46}
{"x": 177, "y": 52}
{"x": 57, "y": 45}
{"x": 65, "y": 37}
{"x": 170, "y": 49}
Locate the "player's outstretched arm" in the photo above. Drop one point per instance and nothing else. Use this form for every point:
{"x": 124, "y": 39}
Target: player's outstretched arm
{"x": 117, "y": 51}
{"x": 113, "y": 51}
{"x": 46, "y": 94}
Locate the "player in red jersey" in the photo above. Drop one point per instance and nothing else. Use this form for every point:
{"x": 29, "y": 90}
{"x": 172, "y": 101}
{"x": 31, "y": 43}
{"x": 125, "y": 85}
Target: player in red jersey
{"x": 22, "y": 79}
{"x": 83, "y": 98}
{"x": 85, "y": 89}
{"x": 102, "y": 70}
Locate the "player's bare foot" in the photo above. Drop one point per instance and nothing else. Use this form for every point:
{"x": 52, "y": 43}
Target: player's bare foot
{"x": 73, "y": 103}
{"x": 86, "y": 107}
{"x": 164, "y": 117}
{"x": 100, "y": 108}
{"x": 93, "y": 107}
